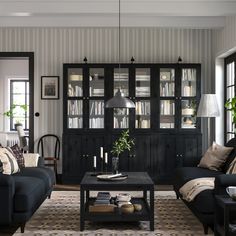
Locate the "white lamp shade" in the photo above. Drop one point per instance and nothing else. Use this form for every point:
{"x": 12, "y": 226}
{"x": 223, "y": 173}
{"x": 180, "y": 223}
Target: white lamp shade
{"x": 208, "y": 106}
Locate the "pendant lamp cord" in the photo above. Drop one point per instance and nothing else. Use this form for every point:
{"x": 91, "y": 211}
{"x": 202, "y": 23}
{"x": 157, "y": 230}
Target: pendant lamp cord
{"x": 119, "y": 45}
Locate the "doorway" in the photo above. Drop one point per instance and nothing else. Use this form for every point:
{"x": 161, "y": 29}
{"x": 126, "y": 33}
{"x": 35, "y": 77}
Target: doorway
{"x": 21, "y": 73}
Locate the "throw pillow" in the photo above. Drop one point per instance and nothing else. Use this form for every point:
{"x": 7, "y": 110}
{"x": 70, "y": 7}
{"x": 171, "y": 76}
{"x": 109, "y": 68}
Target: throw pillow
{"x": 232, "y": 167}
{"x": 215, "y": 157}
{"x": 9, "y": 162}
{"x": 31, "y": 159}
{"x": 18, "y": 155}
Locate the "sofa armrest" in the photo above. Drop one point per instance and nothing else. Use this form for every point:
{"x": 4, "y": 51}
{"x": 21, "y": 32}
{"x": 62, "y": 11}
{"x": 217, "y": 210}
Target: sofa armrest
{"x": 7, "y": 191}
{"x": 223, "y": 181}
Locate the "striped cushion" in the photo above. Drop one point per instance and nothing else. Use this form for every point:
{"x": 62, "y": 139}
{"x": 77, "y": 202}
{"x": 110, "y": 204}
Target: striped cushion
{"x": 232, "y": 167}
{"x": 9, "y": 162}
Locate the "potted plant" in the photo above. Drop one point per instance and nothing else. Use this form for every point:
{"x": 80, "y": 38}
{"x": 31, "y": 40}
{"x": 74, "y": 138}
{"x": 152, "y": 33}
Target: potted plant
{"x": 123, "y": 143}
{"x": 11, "y": 113}
{"x": 231, "y": 106}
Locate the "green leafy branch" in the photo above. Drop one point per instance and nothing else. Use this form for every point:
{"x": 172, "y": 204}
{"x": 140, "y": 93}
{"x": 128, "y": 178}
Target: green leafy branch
{"x": 124, "y": 142}
{"x": 11, "y": 112}
{"x": 231, "y": 106}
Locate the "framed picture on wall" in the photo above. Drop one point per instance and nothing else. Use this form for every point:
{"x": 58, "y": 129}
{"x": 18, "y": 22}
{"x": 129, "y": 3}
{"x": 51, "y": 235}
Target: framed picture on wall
{"x": 49, "y": 87}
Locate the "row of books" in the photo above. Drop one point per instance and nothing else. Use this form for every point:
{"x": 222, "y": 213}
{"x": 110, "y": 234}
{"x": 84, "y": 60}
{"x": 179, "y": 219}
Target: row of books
{"x": 75, "y": 123}
{"x": 167, "y": 89}
{"x": 97, "y": 108}
{"x": 96, "y": 92}
{"x": 142, "y": 91}
{"x": 75, "y": 107}
{"x": 188, "y": 91}
{"x": 143, "y": 108}
{"x": 121, "y": 123}
{"x": 142, "y": 124}
{"x": 167, "y": 107}
{"x": 75, "y": 91}
{"x": 96, "y": 123}
{"x": 189, "y": 74}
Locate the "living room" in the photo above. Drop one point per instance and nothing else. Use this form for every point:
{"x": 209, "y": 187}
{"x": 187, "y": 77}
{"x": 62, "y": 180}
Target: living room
{"x": 63, "y": 64}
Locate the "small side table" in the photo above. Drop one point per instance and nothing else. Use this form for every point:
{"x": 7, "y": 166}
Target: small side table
{"x": 225, "y": 206}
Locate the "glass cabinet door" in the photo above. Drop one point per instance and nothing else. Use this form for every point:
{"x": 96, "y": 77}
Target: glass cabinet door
{"x": 121, "y": 81}
{"x": 142, "y": 94}
{"x": 96, "y": 98}
{"x": 75, "y": 100}
{"x": 188, "y": 98}
{"x": 167, "y": 98}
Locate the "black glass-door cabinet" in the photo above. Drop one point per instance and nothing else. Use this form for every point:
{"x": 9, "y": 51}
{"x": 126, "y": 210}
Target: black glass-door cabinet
{"x": 163, "y": 123}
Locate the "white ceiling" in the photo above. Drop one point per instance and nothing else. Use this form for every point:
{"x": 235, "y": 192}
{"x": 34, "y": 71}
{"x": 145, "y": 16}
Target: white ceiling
{"x": 148, "y": 13}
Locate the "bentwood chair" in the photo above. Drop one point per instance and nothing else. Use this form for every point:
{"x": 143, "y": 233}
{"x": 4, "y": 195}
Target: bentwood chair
{"x": 49, "y": 148}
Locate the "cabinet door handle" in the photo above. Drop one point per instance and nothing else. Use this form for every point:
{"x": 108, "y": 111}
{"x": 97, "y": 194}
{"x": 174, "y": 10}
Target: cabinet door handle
{"x": 84, "y": 98}
{"x": 83, "y": 155}
{"x": 181, "y": 155}
{"x": 87, "y": 155}
{"x": 180, "y": 97}
{"x": 177, "y": 155}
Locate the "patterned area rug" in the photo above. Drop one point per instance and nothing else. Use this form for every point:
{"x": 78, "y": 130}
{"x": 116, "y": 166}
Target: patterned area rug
{"x": 60, "y": 216}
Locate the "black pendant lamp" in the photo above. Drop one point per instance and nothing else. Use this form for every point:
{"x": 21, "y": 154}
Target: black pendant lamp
{"x": 119, "y": 101}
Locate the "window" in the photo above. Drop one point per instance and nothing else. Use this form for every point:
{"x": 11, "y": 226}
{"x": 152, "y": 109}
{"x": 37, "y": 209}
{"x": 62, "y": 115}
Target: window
{"x": 230, "y": 92}
{"x": 19, "y": 99}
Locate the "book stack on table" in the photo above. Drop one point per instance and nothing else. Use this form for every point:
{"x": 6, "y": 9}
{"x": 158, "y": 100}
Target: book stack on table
{"x": 102, "y": 203}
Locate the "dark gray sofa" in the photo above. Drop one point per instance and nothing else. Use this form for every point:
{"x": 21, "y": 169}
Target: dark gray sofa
{"x": 21, "y": 194}
{"x": 203, "y": 204}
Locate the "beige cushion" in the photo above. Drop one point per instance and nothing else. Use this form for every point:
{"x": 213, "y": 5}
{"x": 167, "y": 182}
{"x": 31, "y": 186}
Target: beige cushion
{"x": 215, "y": 157}
{"x": 31, "y": 159}
{"x": 9, "y": 162}
{"x": 232, "y": 167}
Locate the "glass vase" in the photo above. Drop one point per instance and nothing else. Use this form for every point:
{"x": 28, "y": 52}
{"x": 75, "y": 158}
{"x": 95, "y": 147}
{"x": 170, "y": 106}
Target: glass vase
{"x": 115, "y": 165}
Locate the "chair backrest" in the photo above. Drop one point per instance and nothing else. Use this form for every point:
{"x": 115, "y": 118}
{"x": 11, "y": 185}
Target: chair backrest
{"x": 49, "y": 143}
{"x": 22, "y": 138}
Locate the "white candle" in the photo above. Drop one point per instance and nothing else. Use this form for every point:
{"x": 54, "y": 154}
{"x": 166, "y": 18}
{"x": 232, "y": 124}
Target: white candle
{"x": 106, "y": 157}
{"x": 101, "y": 152}
{"x": 94, "y": 162}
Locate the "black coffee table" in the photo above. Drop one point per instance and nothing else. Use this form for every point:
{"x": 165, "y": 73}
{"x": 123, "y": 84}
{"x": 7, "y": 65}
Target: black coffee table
{"x": 136, "y": 181}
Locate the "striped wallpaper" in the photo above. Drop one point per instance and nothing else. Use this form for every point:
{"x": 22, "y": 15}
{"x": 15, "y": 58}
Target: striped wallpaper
{"x": 225, "y": 39}
{"x": 55, "y": 46}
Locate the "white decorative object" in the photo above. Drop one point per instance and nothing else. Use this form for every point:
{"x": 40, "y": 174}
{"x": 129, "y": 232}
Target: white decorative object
{"x": 101, "y": 152}
{"x": 106, "y": 157}
{"x": 94, "y": 162}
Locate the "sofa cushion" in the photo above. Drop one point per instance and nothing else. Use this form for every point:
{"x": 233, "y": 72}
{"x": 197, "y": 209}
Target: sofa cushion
{"x": 184, "y": 174}
{"x": 29, "y": 192}
{"x": 43, "y": 173}
{"x": 9, "y": 162}
{"x": 215, "y": 157}
{"x": 18, "y": 155}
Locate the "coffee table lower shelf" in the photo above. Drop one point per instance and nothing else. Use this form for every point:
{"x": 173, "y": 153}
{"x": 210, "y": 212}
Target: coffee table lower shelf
{"x": 117, "y": 215}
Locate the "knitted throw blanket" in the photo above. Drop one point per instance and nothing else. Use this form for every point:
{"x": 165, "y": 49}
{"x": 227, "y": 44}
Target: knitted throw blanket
{"x": 193, "y": 187}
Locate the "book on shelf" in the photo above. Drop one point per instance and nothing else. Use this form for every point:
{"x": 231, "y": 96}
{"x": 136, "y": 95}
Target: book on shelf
{"x": 167, "y": 107}
{"x": 102, "y": 198}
